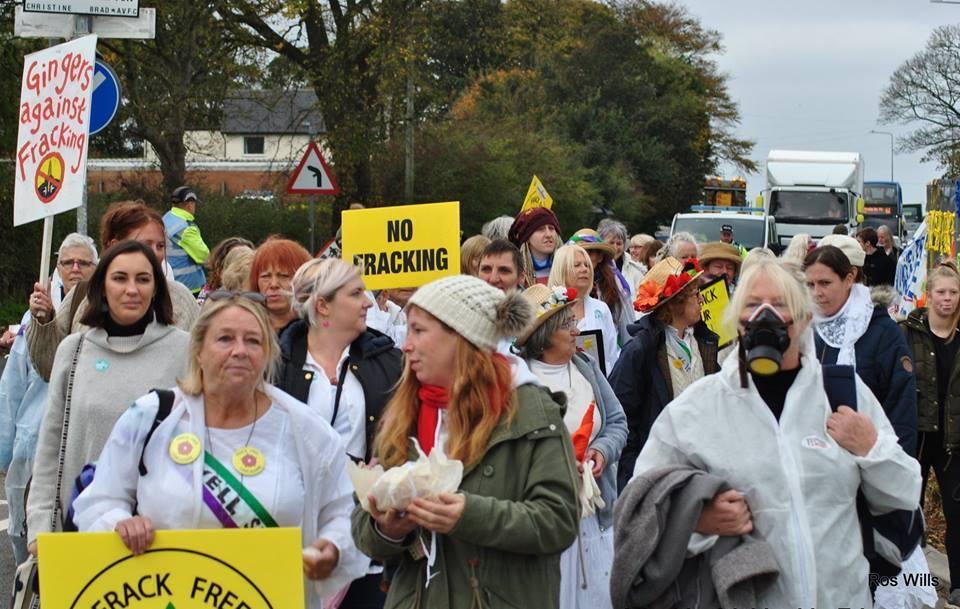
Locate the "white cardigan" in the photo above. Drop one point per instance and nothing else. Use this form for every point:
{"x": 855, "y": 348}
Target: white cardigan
{"x": 118, "y": 487}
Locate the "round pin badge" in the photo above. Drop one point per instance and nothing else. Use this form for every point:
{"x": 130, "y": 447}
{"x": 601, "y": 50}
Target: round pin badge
{"x": 248, "y": 461}
{"x": 185, "y": 448}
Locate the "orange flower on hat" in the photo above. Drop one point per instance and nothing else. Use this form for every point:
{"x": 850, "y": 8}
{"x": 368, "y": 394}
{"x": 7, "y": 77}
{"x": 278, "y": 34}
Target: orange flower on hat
{"x": 648, "y": 296}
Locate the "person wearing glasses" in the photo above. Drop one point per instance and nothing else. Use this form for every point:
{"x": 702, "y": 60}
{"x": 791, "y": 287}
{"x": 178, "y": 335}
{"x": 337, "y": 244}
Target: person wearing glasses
{"x": 124, "y": 220}
{"x": 342, "y": 369}
{"x": 271, "y": 274}
{"x": 131, "y": 346}
{"x": 598, "y": 429}
{"x": 23, "y": 393}
{"x": 273, "y": 462}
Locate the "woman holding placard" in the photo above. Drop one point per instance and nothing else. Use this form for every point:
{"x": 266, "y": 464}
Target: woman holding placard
{"x": 273, "y": 461}
{"x": 497, "y": 541}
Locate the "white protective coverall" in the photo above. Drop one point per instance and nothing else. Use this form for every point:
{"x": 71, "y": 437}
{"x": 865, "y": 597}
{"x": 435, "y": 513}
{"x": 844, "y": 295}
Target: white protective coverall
{"x": 800, "y": 485}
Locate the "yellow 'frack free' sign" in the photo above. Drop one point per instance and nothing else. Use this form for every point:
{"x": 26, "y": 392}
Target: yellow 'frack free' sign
{"x": 716, "y": 297}
{"x": 404, "y": 246}
{"x": 220, "y": 569}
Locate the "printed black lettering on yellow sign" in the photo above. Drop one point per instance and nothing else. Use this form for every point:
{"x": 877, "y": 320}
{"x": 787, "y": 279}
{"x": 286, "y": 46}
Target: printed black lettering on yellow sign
{"x": 405, "y": 246}
{"x": 208, "y": 581}
{"x": 217, "y": 569}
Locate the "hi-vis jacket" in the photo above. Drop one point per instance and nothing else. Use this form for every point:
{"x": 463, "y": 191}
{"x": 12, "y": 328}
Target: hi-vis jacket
{"x": 800, "y": 485}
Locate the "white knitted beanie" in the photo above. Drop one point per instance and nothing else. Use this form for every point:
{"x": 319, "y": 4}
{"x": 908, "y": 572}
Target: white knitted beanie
{"x": 479, "y": 312}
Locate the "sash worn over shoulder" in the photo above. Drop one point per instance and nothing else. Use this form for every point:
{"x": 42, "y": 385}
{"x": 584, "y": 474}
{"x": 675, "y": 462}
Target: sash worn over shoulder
{"x": 229, "y": 500}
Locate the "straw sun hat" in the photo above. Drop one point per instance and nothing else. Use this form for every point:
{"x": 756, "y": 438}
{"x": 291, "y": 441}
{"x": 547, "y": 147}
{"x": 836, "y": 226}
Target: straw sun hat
{"x": 590, "y": 240}
{"x": 665, "y": 280}
{"x": 546, "y": 302}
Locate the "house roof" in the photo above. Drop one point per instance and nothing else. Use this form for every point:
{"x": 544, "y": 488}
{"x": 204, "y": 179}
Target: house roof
{"x": 271, "y": 112}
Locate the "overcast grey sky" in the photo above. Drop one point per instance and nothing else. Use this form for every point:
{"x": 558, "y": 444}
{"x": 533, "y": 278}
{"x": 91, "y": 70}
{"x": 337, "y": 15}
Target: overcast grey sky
{"x": 809, "y": 75}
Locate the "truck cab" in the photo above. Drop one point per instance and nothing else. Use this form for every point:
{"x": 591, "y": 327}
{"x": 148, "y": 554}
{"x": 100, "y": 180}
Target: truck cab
{"x": 811, "y": 192}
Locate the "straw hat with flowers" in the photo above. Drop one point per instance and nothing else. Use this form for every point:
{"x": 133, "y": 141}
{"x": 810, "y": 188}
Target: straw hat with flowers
{"x": 590, "y": 240}
{"x": 546, "y": 302}
{"x": 665, "y": 280}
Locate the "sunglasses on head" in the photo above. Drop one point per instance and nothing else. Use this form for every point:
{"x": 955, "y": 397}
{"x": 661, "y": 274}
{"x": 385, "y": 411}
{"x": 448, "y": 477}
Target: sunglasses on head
{"x": 256, "y": 297}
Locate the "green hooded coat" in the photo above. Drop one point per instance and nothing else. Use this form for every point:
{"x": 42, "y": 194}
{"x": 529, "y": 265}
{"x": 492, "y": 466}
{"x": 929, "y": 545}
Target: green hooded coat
{"x": 521, "y": 512}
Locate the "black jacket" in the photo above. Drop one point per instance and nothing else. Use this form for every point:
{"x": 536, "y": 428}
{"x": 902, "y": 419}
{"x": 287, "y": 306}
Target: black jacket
{"x": 641, "y": 381}
{"x": 930, "y": 413}
{"x": 884, "y": 363}
{"x": 879, "y": 268}
{"x": 373, "y": 359}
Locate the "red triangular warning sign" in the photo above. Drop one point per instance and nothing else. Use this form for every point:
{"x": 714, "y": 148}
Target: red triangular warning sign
{"x": 312, "y": 176}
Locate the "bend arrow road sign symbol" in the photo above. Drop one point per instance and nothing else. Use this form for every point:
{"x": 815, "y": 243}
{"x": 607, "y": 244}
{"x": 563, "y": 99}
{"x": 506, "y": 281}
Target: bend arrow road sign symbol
{"x": 312, "y": 176}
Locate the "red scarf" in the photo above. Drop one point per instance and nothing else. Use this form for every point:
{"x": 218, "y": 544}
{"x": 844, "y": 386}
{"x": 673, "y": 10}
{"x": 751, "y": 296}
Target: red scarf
{"x": 433, "y": 398}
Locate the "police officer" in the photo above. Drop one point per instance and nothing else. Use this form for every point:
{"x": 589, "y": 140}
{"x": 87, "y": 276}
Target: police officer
{"x": 726, "y": 236}
{"x": 186, "y": 251}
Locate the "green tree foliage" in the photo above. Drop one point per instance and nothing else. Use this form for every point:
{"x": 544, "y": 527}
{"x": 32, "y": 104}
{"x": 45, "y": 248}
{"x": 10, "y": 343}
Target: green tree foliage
{"x": 175, "y": 82}
{"x": 925, "y": 92}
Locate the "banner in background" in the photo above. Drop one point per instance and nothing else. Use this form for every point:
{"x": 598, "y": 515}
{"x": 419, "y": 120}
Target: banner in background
{"x": 537, "y": 196}
{"x": 404, "y": 246}
{"x": 716, "y": 297}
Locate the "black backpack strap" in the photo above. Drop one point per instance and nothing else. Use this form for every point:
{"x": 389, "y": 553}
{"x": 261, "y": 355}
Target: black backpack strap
{"x": 340, "y": 382}
{"x": 166, "y": 405}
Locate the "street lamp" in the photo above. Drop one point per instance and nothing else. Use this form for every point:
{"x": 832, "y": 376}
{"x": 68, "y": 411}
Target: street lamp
{"x": 891, "y": 144}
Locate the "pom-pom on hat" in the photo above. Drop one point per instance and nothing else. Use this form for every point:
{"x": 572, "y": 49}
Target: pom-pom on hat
{"x": 479, "y": 312}
{"x": 527, "y": 223}
{"x": 848, "y": 245}
{"x": 546, "y": 303}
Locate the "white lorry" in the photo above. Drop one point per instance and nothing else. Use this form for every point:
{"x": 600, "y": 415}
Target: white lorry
{"x": 811, "y": 192}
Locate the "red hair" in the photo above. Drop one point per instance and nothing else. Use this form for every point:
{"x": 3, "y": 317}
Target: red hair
{"x": 281, "y": 254}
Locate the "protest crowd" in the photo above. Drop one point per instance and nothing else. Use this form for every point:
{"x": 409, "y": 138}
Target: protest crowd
{"x": 594, "y": 441}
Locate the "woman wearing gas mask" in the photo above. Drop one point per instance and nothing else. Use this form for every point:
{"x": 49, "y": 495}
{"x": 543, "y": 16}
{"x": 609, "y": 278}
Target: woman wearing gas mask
{"x": 853, "y": 330}
{"x": 670, "y": 350}
{"x": 790, "y": 466}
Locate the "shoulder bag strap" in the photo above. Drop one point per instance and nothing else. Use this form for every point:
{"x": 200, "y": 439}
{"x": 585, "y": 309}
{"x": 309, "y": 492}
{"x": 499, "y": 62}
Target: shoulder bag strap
{"x": 57, "y": 506}
{"x": 167, "y": 398}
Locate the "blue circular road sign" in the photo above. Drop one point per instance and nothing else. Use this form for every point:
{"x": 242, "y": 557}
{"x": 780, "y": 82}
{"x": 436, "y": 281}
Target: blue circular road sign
{"x": 106, "y": 97}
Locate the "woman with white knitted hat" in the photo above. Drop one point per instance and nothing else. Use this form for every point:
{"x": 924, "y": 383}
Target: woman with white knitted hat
{"x": 497, "y": 541}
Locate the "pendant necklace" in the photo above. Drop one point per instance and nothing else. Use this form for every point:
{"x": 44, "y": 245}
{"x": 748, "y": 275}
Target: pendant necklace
{"x": 247, "y": 460}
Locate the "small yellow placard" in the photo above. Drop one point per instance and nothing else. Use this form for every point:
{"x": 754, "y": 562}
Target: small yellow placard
{"x": 237, "y": 568}
{"x": 404, "y": 246}
{"x": 716, "y": 297}
{"x": 537, "y": 196}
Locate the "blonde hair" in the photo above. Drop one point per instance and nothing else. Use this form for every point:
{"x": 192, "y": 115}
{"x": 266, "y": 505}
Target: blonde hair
{"x": 945, "y": 270}
{"x": 785, "y": 282}
{"x": 470, "y": 251}
{"x": 480, "y": 396}
{"x": 235, "y": 275}
{"x": 562, "y": 269}
{"x": 798, "y": 249}
{"x": 319, "y": 278}
{"x": 192, "y": 382}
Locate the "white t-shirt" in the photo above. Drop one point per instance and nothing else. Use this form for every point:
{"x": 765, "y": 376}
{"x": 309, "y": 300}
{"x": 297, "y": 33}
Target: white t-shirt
{"x": 350, "y": 422}
{"x": 597, "y": 316}
{"x": 568, "y": 379}
{"x": 281, "y": 492}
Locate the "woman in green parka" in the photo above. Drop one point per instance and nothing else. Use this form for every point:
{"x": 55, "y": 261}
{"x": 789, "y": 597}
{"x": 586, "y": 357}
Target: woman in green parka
{"x": 932, "y": 335}
{"x": 496, "y": 543}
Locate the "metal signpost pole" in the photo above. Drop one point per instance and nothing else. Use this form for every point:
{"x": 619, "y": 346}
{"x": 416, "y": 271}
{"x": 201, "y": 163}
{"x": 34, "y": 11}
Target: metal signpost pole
{"x": 312, "y": 202}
